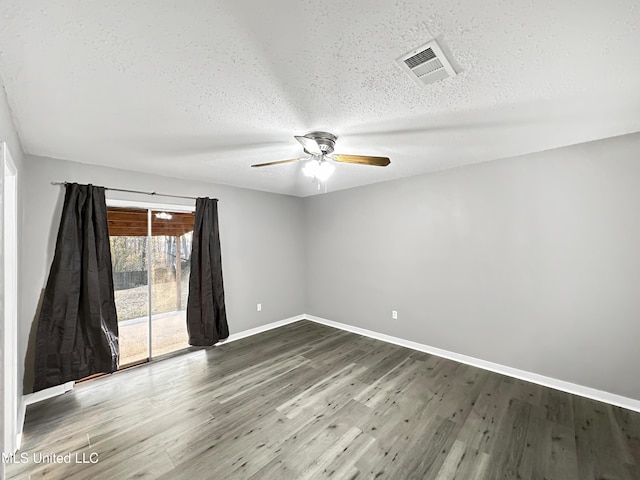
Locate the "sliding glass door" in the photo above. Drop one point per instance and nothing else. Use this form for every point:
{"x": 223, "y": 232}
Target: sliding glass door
{"x": 171, "y": 235}
{"x": 128, "y": 237}
{"x": 150, "y": 252}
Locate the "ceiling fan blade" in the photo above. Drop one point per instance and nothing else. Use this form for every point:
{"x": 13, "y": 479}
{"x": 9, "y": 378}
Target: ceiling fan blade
{"x": 276, "y": 163}
{"x": 363, "y": 160}
{"x": 309, "y": 144}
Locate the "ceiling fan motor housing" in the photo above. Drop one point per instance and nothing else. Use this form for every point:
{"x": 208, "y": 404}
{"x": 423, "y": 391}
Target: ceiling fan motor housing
{"x": 326, "y": 141}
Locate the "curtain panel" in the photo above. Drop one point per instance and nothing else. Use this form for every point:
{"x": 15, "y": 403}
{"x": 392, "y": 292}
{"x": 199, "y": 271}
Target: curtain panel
{"x": 206, "y": 313}
{"x": 77, "y": 332}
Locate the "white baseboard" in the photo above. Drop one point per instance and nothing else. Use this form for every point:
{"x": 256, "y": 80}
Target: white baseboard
{"x": 262, "y": 328}
{"x": 32, "y": 398}
{"x": 36, "y": 397}
{"x": 22, "y": 412}
{"x": 592, "y": 393}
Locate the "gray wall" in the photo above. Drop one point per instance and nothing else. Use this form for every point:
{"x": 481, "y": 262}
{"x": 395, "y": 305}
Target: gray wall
{"x": 261, "y": 234}
{"x": 7, "y": 134}
{"x": 530, "y": 262}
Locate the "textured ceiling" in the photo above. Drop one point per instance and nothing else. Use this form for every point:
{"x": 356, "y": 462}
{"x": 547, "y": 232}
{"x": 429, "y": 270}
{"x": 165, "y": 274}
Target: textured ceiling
{"x": 201, "y": 89}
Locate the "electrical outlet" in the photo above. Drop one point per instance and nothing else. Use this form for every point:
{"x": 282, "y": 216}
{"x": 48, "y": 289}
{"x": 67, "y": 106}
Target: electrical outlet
{"x": 259, "y": 307}
{"x": 394, "y": 314}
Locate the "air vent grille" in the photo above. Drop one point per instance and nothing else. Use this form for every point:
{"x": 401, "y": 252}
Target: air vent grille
{"x": 428, "y": 68}
{"x": 421, "y": 57}
{"x": 426, "y": 64}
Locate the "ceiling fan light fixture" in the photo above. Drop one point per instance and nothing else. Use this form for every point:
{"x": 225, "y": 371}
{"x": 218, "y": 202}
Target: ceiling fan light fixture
{"x": 311, "y": 168}
{"x": 325, "y": 169}
{"x": 318, "y": 169}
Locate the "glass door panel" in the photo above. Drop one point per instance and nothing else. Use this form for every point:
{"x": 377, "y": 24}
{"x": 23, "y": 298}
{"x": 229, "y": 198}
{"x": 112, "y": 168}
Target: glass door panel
{"x": 171, "y": 237}
{"x": 128, "y": 237}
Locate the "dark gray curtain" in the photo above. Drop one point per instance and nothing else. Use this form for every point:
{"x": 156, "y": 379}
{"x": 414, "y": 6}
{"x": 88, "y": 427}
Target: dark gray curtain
{"x": 206, "y": 314}
{"x": 77, "y": 333}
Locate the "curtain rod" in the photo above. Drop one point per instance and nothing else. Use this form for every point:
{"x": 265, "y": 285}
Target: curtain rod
{"x": 137, "y": 191}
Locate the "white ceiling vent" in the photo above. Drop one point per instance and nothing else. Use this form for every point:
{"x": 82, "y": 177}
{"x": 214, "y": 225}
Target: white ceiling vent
{"x": 426, "y": 64}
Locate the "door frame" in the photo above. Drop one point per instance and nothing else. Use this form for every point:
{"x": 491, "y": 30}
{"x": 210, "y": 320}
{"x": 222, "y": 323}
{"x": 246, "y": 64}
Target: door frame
{"x": 11, "y": 441}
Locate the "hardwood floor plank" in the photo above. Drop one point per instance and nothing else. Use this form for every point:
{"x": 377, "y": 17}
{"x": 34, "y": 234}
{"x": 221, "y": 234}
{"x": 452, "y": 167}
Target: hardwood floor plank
{"x": 389, "y": 416}
{"x": 525, "y": 391}
{"x": 507, "y": 457}
{"x": 338, "y": 449}
{"x": 244, "y": 462}
{"x": 555, "y": 451}
{"x": 391, "y": 384}
{"x": 463, "y": 463}
{"x": 480, "y": 430}
{"x": 456, "y": 398}
{"x": 395, "y": 450}
{"x": 424, "y": 458}
{"x": 598, "y": 456}
{"x": 331, "y": 383}
{"x": 341, "y": 464}
{"x": 625, "y": 427}
{"x": 258, "y": 380}
{"x": 386, "y": 360}
{"x": 558, "y": 407}
{"x": 302, "y": 454}
{"x": 331, "y": 342}
{"x": 144, "y": 460}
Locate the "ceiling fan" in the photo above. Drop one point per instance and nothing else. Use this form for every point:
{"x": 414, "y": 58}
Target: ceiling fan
{"x": 319, "y": 165}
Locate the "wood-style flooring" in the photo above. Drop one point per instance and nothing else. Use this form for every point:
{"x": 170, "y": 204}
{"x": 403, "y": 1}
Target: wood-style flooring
{"x": 306, "y": 401}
